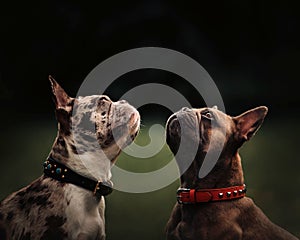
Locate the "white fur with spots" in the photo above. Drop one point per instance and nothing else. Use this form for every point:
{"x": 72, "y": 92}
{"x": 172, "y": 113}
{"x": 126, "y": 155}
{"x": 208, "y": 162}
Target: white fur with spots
{"x": 92, "y": 130}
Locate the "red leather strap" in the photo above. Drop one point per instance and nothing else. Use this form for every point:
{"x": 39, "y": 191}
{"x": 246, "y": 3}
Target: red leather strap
{"x": 192, "y": 195}
{"x": 188, "y": 196}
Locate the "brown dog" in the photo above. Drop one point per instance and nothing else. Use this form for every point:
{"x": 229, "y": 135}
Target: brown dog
{"x": 215, "y": 206}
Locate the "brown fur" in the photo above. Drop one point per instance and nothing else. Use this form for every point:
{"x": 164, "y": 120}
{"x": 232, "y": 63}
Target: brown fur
{"x": 234, "y": 219}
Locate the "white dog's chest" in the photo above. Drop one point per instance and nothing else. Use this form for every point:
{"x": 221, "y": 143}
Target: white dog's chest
{"x": 84, "y": 214}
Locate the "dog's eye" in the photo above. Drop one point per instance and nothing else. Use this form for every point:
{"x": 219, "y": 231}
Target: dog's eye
{"x": 207, "y": 115}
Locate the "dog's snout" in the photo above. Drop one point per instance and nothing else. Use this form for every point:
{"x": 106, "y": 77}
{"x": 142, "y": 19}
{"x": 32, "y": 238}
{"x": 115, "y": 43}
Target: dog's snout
{"x": 104, "y": 98}
{"x": 123, "y": 101}
{"x": 134, "y": 117}
{"x": 186, "y": 109}
{"x": 173, "y": 125}
{"x": 173, "y": 132}
{"x": 170, "y": 120}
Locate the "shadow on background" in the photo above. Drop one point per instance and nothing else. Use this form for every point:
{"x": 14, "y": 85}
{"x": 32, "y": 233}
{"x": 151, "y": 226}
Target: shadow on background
{"x": 250, "y": 48}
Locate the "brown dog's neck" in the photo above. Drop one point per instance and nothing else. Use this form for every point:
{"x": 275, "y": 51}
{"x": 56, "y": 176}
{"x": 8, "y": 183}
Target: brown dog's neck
{"x": 228, "y": 172}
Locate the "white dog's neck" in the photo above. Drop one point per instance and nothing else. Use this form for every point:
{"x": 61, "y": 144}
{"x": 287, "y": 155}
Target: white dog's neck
{"x": 91, "y": 163}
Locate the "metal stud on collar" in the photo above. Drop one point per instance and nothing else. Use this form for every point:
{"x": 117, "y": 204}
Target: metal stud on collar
{"x": 97, "y": 187}
{"x": 191, "y": 196}
{"x": 57, "y": 171}
{"x": 104, "y": 186}
{"x": 54, "y": 169}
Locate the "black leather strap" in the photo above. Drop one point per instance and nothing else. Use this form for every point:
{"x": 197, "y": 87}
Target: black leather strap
{"x": 60, "y": 172}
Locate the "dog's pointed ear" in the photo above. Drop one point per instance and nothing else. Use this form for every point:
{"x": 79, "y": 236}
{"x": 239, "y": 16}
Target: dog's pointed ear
{"x": 60, "y": 97}
{"x": 249, "y": 122}
{"x": 63, "y": 104}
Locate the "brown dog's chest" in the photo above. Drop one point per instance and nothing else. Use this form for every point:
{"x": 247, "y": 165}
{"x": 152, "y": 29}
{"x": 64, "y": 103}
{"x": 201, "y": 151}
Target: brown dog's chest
{"x": 237, "y": 219}
{"x": 204, "y": 221}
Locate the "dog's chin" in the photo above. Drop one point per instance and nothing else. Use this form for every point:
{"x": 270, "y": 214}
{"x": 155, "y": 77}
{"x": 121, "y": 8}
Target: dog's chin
{"x": 173, "y": 127}
{"x": 134, "y": 124}
{"x": 173, "y": 132}
{"x": 133, "y": 127}
{"x": 125, "y": 134}
{"x": 183, "y": 122}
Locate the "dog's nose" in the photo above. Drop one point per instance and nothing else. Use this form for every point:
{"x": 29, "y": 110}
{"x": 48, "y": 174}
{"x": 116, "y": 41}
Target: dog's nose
{"x": 103, "y": 97}
{"x": 123, "y": 101}
{"x": 186, "y": 109}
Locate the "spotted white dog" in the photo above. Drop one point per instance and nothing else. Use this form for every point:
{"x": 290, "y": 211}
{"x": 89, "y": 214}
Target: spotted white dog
{"x": 67, "y": 201}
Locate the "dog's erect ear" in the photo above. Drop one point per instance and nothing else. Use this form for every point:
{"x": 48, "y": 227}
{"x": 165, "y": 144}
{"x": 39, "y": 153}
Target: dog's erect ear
{"x": 64, "y": 106}
{"x": 249, "y": 122}
{"x": 60, "y": 97}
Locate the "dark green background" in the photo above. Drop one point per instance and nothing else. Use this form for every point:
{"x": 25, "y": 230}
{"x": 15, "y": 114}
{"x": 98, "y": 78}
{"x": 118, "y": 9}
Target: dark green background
{"x": 250, "y": 48}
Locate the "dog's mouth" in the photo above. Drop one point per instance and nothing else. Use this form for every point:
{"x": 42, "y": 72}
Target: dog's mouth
{"x": 134, "y": 124}
{"x": 182, "y": 127}
{"x": 123, "y": 124}
{"x": 182, "y": 121}
{"x": 194, "y": 124}
{"x": 173, "y": 126}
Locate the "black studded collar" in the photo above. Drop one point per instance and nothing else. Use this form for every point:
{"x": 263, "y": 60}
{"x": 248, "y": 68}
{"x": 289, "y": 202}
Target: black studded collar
{"x": 58, "y": 171}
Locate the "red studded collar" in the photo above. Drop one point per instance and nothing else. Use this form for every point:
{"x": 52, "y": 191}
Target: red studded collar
{"x": 190, "y": 196}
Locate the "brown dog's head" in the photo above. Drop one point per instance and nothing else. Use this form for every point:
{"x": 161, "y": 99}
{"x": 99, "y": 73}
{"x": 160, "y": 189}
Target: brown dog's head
{"x": 192, "y": 133}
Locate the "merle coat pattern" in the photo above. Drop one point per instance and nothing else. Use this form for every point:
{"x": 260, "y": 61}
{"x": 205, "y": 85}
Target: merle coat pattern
{"x": 92, "y": 130}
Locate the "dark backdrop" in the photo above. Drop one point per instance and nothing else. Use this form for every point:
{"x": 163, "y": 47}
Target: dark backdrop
{"x": 250, "y": 48}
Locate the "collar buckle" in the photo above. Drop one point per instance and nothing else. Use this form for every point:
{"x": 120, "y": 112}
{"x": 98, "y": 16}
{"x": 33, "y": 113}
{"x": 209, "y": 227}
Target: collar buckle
{"x": 60, "y": 172}
{"x": 178, "y": 197}
{"x": 97, "y": 187}
{"x": 103, "y": 188}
